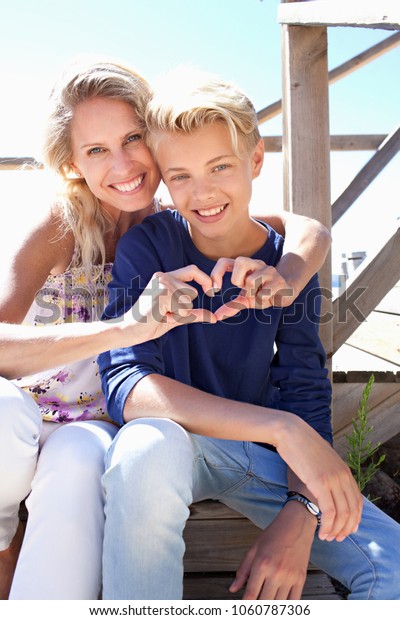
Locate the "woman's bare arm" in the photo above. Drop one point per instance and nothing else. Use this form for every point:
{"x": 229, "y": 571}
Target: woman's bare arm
{"x": 307, "y": 244}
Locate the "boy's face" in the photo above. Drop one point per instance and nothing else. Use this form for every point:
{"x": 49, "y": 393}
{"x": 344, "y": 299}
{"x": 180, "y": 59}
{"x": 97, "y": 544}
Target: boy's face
{"x": 209, "y": 184}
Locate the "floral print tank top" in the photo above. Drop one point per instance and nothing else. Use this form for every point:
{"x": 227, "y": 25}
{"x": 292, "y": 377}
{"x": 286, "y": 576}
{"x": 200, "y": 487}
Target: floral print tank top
{"x": 71, "y": 392}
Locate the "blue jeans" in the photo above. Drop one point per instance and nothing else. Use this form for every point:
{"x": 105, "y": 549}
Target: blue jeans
{"x": 155, "y": 470}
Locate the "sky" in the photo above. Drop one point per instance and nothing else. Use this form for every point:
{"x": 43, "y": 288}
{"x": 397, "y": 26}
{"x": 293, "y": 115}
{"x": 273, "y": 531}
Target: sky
{"x": 238, "y": 39}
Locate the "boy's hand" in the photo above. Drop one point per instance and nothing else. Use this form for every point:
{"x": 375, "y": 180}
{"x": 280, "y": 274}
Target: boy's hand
{"x": 166, "y": 302}
{"x": 327, "y": 477}
{"x": 275, "y": 567}
{"x": 262, "y": 286}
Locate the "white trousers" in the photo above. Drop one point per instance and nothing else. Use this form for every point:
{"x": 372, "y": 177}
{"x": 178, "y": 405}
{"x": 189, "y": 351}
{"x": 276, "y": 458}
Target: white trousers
{"x": 59, "y": 467}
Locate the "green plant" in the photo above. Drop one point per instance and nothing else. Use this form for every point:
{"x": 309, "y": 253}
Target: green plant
{"x": 361, "y": 450}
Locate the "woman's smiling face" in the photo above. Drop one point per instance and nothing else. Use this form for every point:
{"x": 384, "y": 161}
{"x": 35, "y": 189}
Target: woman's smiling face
{"x": 110, "y": 154}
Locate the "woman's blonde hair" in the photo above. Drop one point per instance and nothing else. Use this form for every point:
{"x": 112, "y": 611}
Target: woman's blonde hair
{"x": 187, "y": 99}
{"x": 82, "y": 212}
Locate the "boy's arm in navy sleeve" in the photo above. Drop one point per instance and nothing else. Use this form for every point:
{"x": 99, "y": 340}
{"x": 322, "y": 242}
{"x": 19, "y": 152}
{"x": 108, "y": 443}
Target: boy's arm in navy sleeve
{"x": 298, "y": 368}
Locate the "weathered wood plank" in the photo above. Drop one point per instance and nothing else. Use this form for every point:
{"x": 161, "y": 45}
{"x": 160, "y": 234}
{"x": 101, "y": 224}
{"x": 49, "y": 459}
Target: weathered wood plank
{"x": 379, "y": 334}
{"x": 357, "y": 13}
{"x": 371, "y": 142}
{"x": 346, "y": 397}
{"x": 373, "y": 52}
{"x": 210, "y": 509}
{"x": 306, "y": 151}
{"x": 14, "y": 163}
{"x": 391, "y": 302}
{"x": 363, "y": 293}
{"x": 348, "y": 359}
{"x": 227, "y": 542}
{"x": 340, "y": 71}
{"x": 272, "y": 144}
{"x": 385, "y": 420}
{"x": 213, "y": 586}
{"x": 388, "y": 149}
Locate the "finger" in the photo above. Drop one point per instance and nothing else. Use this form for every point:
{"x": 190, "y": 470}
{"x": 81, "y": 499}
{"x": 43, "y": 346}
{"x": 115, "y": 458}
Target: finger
{"x": 350, "y": 514}
{"x": 295, "y": 592}
{"x": 243, "y": 572}
{"x": 341, "y": 508}
{"x": 188, "y": 274}
{"x": 254, "y": 283}
{"x": 222, "y": 266}
{"x": 193, "y": 315}
{"x": 231, "y": 308}
{"x": 280, "y": 594}
{"x": 242, "y": 269}
{"x": 265, "y": 588}
{"x": 328, "y": 510}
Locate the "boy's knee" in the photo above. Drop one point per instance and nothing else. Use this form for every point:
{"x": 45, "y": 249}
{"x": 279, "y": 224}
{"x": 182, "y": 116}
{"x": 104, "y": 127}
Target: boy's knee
{"x": 149, "y": 451}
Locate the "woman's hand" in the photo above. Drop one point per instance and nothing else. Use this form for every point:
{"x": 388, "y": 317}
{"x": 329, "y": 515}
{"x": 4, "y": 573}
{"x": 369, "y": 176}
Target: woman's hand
{"x": 167, "y": 302}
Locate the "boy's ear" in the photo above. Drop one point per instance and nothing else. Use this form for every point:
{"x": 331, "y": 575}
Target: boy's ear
{"x": 258, "y": 158}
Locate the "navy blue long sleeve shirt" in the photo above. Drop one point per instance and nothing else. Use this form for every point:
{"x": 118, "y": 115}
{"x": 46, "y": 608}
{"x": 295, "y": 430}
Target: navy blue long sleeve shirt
{"x": 272, "y": 357}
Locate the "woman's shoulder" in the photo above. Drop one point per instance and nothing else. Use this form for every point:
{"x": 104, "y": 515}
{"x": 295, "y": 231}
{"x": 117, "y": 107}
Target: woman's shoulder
{"x": 35, "y": 250}
{"x": 43, "y": 233}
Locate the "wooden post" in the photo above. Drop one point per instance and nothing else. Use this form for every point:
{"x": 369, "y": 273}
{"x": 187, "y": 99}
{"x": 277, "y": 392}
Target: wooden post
{"x": 306, "y": 149}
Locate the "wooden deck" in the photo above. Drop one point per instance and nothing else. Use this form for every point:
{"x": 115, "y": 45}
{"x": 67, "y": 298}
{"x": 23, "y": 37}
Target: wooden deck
{"x": 217, "y": 539}
{"x": 374, "y": 348}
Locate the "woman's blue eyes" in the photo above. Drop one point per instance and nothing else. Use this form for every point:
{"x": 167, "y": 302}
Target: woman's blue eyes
{"x": 96, "y": 150}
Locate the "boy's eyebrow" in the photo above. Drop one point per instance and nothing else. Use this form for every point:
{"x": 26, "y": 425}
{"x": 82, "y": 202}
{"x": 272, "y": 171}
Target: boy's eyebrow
{"x": 210, "y": 161}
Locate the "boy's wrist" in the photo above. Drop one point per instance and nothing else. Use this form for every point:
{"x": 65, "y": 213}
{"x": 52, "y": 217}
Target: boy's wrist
{"x": 300, "y": 516}
{"x": 311, "y": 507}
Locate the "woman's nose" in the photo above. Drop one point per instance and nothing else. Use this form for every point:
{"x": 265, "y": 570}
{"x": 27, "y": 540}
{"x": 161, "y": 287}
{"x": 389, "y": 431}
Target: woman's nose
{"x": 122, "y": 162}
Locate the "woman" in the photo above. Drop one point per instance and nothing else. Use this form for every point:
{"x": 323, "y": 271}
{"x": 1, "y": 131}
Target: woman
{"x": 54, "y": 426}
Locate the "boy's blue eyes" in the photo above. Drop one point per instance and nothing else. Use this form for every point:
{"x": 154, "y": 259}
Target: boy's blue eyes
{"x": 221, "y": 167}
{"x": 181, "y": 177}
{"x": 95, "y": 150}
{"x": 134, "y": 137}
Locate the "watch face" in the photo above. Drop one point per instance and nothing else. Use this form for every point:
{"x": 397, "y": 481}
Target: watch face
{"x": 313, "y": 508}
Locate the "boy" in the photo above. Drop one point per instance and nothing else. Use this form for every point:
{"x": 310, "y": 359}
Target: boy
{"x": 238, "y": 410}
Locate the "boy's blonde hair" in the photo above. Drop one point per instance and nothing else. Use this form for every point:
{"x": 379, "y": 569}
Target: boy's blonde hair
{"x": 81, "y": 210}
{"x": 187, "y": 99}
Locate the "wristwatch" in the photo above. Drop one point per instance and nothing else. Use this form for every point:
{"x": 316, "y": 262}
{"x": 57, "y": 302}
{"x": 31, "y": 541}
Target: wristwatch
{"x": 312, "y": 508}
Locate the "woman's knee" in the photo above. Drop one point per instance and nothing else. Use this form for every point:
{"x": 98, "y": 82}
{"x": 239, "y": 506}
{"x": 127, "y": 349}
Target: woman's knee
{"x": 20, "y": 416}
{"x": 20, "y": 426}
{"x": 78, "y": 449}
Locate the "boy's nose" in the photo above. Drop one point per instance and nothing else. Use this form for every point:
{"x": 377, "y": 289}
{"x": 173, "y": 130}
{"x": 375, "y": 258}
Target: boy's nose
{"x": 203, "y": 191}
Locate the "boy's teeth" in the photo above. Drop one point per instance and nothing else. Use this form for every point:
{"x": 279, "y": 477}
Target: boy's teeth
{"x": 128, "y": 187}
{"x": 208, "y": 212}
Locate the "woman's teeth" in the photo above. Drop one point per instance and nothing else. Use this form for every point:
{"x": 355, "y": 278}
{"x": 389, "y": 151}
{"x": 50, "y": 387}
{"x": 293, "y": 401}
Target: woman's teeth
{"x": 209, "y": 212}
{"x": 128, "y": 187}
